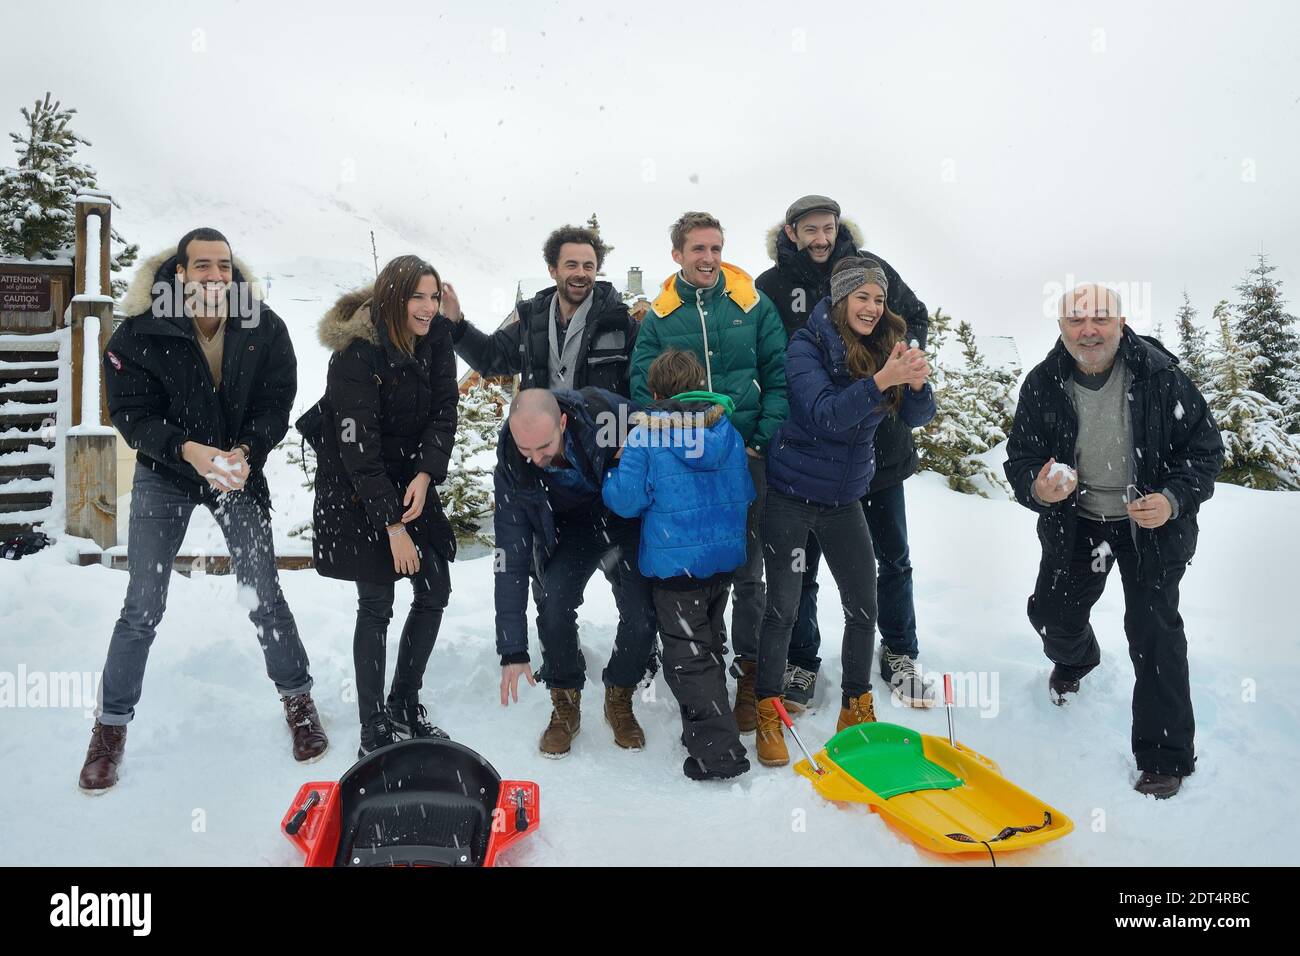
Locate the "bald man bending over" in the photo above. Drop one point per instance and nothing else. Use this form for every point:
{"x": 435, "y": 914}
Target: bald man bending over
{"x": 1113, "y": 447}
{"x": 552, "y": 456}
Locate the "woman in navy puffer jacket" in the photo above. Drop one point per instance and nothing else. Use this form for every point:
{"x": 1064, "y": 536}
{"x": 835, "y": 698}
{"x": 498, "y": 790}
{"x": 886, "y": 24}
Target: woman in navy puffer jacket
{"x": 845, "y": 371}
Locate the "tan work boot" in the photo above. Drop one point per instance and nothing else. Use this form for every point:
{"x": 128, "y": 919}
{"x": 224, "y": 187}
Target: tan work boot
{"x": 861, "y": 710}
{"x": 566, "y": 721}
{"x": 618, "y": 714}
{"x": 746, "y": 718}
{"x": 771, "y": 735}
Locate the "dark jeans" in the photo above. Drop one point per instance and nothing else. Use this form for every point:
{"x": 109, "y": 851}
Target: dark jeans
{"x": 432, "y": 588}
{"x": 160, "y": 514}
{"x": 582, "y": 546}
{"x": 846, "y": 542}
{"x": 1059, "y": 609}
{"x": 886, "y": 512}
{"x": 748, "y": 597}
{"x": 694, "y": 635}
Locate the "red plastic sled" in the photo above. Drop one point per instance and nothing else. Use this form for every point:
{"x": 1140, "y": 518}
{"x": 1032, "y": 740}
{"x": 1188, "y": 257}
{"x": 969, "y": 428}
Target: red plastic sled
{"x": 421, "y": 802}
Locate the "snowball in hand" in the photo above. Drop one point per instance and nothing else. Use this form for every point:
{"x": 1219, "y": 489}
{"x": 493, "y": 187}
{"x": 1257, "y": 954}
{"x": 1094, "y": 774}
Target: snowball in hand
{"x": 1060, "y": 473}
{"x": 231, "y": 472}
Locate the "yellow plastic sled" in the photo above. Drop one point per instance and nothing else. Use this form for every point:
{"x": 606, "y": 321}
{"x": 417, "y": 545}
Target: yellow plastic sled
{"x": 945, "y": 798}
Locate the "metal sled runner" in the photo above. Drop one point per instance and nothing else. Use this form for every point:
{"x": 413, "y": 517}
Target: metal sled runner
{"x": 421, "y": 802}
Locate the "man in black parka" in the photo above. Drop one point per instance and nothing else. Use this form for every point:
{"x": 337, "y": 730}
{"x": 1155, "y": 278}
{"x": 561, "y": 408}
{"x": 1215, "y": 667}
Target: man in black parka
{"x": 575, "y": 334}
{"x": 200, "y": 378}
{"x": 1115, "y": 450}
{"x": 805, "y": 247}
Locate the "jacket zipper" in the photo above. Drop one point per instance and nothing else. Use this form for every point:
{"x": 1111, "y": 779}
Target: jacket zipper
{"x": 704, "y": 328}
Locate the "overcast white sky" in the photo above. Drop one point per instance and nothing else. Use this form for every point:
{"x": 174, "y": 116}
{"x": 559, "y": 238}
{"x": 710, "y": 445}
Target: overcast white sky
{"x": 987, "y": 149}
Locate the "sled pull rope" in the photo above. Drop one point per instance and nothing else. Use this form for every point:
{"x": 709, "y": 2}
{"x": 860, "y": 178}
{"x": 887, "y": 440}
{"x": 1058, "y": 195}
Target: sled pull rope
{"x": 1005, "y": 833}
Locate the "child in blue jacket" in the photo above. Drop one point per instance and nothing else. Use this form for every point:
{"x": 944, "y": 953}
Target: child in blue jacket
{"x": 683, "y": 471}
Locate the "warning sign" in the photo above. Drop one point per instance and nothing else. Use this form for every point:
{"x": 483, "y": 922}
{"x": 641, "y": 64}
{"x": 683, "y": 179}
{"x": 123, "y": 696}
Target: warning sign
{"x": 24, "y": 293}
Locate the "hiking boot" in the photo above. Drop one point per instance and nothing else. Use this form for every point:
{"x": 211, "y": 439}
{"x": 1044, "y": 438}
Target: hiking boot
{"x": 905, "y": 683}
{"x": 861, "y": 710}
{"x": 566, "y": 721}
{"x": 800, "y": 686}
{"x": 771, "y": 734}
{"x": 309, "y": 740}
{"x": 697, "y": 771}
{"x": 1162, "y": 786}
{"x": 377, "y": 732}
{"x": 618, "y": 714}
{"x": 1058, "y": 685}
{"x": 746, "y": 673}
{"x": 99, "y": 771}
{"x": 410, "y": 720}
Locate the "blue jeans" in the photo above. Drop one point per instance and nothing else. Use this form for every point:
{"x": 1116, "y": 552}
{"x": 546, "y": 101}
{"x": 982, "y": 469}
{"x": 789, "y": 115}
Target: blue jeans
{"x": 886, "y": 512}
{"x": 160, "y": 514}
{"x": 582, "y": 546}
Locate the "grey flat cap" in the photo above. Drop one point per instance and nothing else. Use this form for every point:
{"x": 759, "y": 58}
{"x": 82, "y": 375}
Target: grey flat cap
{"x": 801, "y": 207}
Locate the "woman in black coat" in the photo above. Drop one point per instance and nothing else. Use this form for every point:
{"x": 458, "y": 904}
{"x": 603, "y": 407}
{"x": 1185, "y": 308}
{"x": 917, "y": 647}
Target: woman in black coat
{"x": 384, "y": 438}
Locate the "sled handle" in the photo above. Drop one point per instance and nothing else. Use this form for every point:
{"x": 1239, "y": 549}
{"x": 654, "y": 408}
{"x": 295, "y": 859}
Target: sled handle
{"x": 947, "y": 703}
{"x": 785, "y": 719}
{"x": 521, "y": 815}
{"x": 298, "y": 819}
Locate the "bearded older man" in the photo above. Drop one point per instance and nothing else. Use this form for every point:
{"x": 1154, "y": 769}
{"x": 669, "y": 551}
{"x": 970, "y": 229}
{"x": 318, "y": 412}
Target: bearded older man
{"x": 1115, "y": 450}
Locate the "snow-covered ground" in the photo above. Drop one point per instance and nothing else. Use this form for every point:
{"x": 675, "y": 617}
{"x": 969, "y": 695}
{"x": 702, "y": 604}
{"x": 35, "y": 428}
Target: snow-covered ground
{"x": 208, "y": 771}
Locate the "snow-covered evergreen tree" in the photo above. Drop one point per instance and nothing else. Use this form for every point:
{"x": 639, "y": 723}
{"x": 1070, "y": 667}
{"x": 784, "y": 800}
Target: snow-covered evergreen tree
{"x": 467, "y": 494}
{"x": 1192, "y": 347}
{"x": 1263, "y": 322}
{"x": 38, "y": 213}
{"x": 973, "y": 411}
{"x": 1258, "y": 451}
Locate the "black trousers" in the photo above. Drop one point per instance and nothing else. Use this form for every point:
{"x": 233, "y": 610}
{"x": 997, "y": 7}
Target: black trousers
{"x": 432, "y": 587}
{"x": 1059, "y": 609}
{"x": 694, "y": 637}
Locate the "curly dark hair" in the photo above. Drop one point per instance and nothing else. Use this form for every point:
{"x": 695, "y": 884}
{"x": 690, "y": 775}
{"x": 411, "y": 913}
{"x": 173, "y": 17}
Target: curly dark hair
{"x": 580, "y": 234}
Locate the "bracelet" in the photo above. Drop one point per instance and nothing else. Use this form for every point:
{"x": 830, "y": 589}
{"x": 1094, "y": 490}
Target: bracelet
{"x": 401, "y": 529}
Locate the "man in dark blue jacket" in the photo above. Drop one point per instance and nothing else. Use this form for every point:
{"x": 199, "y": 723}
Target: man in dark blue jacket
{"x": 1115, "y": 450}
{"x": 805, "y": 247}
{"x": 200, "y": 378}
{"x": 552, "y": 456}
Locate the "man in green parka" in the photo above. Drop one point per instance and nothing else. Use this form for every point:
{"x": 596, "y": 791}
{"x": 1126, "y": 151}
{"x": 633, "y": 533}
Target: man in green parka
{"x": 713, "y": 309}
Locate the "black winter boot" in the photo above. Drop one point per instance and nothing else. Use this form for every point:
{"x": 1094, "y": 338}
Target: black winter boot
{"x": 377, "y": 732}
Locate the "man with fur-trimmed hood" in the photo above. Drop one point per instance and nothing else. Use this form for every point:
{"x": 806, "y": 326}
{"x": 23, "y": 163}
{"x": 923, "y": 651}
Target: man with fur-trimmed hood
{"x": 200, "y": 378}
{"x": 805, "y": 246}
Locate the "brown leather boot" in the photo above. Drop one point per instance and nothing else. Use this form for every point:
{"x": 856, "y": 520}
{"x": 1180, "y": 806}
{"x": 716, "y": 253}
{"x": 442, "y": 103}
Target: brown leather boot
{"x": 771, "y": 735}
{"x": 99, "y": 772}
{"x": 618, "y": 714}
{"x": 566, "y": 721}
{"x": 861, "y": 710}
{"x": 746, "y": 718}
{"x": 309, "y": 740}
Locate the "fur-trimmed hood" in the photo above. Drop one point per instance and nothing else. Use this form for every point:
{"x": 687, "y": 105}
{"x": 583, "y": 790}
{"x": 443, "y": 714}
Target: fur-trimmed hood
{"x": 349, "y": 319}
{"x": 777, "y": 231}
{"x": 160, "y": 267}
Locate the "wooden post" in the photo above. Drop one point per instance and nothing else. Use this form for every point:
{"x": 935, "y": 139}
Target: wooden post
{"x": 91, "y": 452}
{"x": 102, "y": 207}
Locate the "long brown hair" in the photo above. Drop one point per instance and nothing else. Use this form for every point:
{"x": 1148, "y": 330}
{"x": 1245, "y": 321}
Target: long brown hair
{"x": 867, "y": 355}
{"x": 393, "y": 289}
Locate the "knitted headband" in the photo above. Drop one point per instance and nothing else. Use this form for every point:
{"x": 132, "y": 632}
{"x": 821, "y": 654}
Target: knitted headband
{"x": 842, "y": 283}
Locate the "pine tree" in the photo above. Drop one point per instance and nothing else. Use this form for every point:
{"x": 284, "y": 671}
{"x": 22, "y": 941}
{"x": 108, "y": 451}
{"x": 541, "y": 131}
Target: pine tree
{"x": 973, "y": 411}
{"x": 1191, "y": 342}
{"x": 1263, "y": 322}
{"x": 1258, "y": 451}
{"x": 467, "y": 494}
{"x": 594, "y": 225}
{"x": 38, "y": 197}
